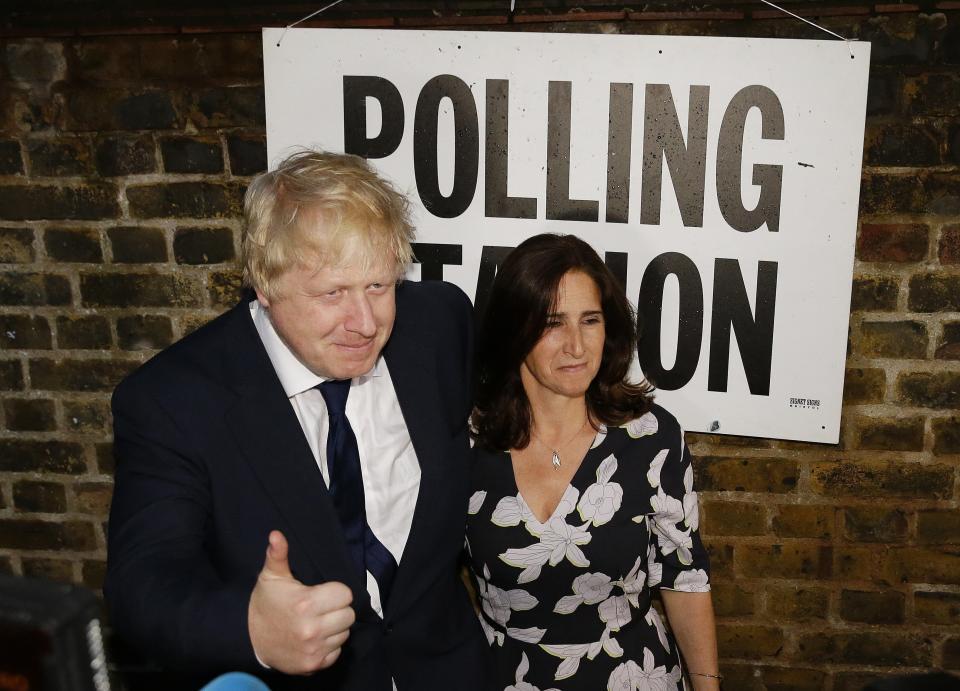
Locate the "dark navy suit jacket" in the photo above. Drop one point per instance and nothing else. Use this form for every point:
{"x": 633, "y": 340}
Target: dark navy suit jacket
{"x": 211, "y": 458}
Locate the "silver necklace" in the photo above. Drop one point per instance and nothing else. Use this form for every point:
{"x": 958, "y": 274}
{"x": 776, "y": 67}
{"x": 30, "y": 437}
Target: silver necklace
{"x": 555, "y": 457}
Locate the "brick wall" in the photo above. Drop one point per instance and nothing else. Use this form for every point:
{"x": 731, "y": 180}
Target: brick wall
{"x": 123, "y": 160}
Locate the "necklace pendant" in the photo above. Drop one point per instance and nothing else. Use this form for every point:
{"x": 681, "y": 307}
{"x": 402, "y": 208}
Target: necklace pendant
{"x": 556, "y": 461}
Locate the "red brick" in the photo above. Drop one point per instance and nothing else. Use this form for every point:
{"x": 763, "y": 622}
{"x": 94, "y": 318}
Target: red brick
{"x": 951, "y": 653}
{"x": 866, "y": 648}
{"x": 896, "y": 434}
{"x": 872, "y": 607}
{"x": 86, "y": 415}
{"x": 878, "y": 479}
{"x": 891, "y": 194}
{"x": 939, "y": 390}
{"x": 938, "y": 527}
{"x": 894, "y": 242}
{"x": 721, "y": 557}
{"x": 934, "y": 292}
{"x": 774, "y": 475}
{"x": 791, "y": 679}
{"x": 875, "y": 524}
{"x": 937, "y": 607}
{"x": 59, "y": 570}
{"x": 948, "y": 347}
{"x": 139, "y": 289}
{"x": 79, "y": 375}
{"x": 16, "y": 245}
{"x": 949, "y": 250}
{"x": 26, "y": 455}
{"x": 733, "y": 518}
{"x": 946, "y": 435}
{"x": 732, "y": 600}
{"x": 791, "y": 560}
{"x": 896, "y": 339}
{"x": 93, "y": 574}
{"x": 224, "y": 288}
{"x": 24, "y": 534}
{"x": 864, "y": 385}
{"x": 804, "y": 520}
{"x": 863, "y": 564}
{"x": 933, "y": 565}
{"x": 29, "y": 414}
{"x": 749, "y": 642}
{"x": 796, "y": 603}
{"x": 54, "y": 203}
{"x": 93, "y": 497}
{"x": 39, "y": 497}
{"x": 874, "y": 293}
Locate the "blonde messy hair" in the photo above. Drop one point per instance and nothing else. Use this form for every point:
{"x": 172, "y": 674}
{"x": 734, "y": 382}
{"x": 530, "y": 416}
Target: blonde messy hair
{"x": 322, "y": 209}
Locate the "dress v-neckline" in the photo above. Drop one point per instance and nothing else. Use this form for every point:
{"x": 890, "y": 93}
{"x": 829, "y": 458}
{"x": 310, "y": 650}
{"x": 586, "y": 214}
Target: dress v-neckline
{"x": 570, "y": 484}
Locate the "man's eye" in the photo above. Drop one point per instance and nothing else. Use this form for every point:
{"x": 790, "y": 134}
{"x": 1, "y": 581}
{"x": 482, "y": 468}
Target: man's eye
{"x": 553, "y": 324}
{"x": 593, "y": 320}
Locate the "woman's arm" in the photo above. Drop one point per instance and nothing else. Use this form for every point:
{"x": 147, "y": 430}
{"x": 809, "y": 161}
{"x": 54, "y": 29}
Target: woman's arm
{"x": 691, "y": 619}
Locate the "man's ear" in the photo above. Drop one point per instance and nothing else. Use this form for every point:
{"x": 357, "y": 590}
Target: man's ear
{"x": 262, "y": 299}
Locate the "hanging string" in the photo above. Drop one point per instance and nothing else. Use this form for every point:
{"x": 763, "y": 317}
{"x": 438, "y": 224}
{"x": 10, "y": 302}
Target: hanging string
{"x": 803, "y": 19}
{"x": 309, "y": 16}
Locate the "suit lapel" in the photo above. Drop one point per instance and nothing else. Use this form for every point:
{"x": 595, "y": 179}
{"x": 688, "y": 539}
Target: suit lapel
{"x": 416, "y": 389}
{"x": 271, "y": 440}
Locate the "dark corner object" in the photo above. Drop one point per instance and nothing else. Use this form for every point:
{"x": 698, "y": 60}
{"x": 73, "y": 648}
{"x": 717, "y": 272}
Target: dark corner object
{"x": 934, "y": 681}
{"x": 50, "y": 637}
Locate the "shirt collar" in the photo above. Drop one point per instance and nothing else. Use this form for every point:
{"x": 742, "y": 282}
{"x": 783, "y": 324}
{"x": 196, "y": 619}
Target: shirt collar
{"x": 295, "y": 377}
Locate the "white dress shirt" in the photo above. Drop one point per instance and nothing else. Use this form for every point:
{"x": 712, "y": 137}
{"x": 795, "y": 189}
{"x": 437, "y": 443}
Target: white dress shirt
{"x": 391, "y": 471}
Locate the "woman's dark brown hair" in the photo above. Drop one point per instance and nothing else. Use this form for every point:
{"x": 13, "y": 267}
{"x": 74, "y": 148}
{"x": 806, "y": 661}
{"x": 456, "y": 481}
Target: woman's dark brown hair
{"x": 522, "y": 296}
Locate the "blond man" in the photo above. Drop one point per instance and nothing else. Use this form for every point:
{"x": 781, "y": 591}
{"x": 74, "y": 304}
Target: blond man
{"x": 292, "y": 478}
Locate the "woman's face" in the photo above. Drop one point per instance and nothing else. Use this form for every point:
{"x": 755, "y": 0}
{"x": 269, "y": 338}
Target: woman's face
{"x": 567, "y": 357}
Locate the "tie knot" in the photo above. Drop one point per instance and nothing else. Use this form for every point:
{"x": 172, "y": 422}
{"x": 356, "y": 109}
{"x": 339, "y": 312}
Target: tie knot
{"x": 335, "y": 392}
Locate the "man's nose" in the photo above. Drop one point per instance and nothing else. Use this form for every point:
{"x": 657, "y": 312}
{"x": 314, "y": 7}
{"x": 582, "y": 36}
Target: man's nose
{"x": 360, "y": 317}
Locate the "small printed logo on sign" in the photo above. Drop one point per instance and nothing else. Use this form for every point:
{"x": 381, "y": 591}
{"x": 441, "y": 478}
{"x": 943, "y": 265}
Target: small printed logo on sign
{"x": 809, "y": 403}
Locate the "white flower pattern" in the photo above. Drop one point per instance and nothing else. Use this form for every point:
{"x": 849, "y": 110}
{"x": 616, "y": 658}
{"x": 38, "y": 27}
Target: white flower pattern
{"x": 602, "y": 499}
{"x": 643, "y": 467}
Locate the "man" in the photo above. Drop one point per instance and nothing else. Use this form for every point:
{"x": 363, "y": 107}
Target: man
{"x": 292, "y": 478}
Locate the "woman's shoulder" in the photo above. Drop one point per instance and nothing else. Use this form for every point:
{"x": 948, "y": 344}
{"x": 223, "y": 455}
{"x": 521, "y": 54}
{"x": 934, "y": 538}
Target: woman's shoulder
{"x": 657, "y": 421}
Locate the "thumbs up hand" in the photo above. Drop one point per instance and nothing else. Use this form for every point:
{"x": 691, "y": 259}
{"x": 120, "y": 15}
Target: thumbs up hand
{"x": 295, "y": 628}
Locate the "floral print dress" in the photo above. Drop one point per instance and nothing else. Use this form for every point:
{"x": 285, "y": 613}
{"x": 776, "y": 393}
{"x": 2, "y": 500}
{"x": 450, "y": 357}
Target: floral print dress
{"x": 565, "y": 604}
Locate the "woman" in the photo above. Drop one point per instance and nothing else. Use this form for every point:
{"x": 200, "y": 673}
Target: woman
{"x": 583, "y": 490}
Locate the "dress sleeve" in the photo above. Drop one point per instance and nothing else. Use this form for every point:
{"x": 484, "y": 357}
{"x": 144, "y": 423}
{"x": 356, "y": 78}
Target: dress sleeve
{"x": 677, "y": 559}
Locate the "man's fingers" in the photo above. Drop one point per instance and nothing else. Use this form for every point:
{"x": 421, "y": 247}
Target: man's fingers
{"x": 330, "y": 597}
{"x": 329, "y": 658}
{"x": 276, "y": 562}
{"x": 337, "y": 640}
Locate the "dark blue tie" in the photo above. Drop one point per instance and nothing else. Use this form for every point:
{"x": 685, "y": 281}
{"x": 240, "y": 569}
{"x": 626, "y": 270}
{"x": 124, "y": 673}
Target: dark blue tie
{"x": 346, "y": 489}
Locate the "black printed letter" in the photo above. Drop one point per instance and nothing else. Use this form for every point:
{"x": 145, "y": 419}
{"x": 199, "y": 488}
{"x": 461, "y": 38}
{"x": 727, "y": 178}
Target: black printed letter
{"x": 466, "y": 146}
{"x": 691, "y": 320}
{"x": 662, "y": 139}
{"x": 356, "y": 91}
{"x": 559, "y": 205}
{"x": 731, "y": 307}
{"x": 730, "y": 157}
{"x": 497, "y": 202}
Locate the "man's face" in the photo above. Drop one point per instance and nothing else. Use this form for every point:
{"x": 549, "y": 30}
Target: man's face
{"x": 336, "y": 320}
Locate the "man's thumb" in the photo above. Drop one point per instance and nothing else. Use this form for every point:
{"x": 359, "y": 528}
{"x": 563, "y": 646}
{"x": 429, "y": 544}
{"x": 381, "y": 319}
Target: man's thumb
{"x": 276, "y": 563}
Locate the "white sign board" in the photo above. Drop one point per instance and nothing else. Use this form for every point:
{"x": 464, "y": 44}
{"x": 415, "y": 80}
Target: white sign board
{"x": 718, "y": 176}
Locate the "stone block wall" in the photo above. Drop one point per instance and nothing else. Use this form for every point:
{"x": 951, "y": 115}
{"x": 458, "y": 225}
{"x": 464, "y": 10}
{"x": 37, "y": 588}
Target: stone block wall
{"x": 123, "y": 162}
